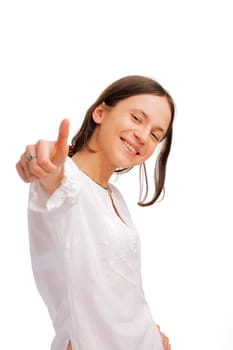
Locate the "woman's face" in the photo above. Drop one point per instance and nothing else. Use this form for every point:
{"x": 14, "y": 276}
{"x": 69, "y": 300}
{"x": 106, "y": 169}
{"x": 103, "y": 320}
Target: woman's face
{"x": 128, "y": 133}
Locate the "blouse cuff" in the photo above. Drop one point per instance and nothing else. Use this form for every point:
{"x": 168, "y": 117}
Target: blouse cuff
{"x": 65, "y": 194}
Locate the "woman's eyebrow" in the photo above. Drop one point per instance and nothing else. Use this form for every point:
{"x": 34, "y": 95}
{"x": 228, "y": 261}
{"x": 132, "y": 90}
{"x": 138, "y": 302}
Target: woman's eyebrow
{"x": 139, "y": 110}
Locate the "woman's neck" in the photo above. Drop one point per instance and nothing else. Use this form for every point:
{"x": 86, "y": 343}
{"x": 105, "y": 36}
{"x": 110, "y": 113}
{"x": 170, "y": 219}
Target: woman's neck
{"x": 93, "y": 165}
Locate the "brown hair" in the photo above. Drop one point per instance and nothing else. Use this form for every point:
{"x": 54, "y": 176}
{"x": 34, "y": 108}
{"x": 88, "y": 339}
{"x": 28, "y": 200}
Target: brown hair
{"x": 117, "y": 91}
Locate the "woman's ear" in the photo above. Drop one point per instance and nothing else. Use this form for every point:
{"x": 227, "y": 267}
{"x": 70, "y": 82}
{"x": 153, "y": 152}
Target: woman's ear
{"x": 99, "y": 113}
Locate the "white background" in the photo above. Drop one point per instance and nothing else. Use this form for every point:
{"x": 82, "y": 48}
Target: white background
{"x": 56, "y": 57}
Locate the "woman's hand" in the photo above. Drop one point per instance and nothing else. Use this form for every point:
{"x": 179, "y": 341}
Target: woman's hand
{"x": 44, "y": 160}
{"x": 165, "y": 340}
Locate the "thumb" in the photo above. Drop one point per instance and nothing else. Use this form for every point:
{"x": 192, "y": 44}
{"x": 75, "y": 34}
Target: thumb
{"x": 61, "y": 150}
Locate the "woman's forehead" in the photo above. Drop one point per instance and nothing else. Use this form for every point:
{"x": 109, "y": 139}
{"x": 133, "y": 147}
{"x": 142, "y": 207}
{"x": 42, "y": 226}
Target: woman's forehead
{"x": 151, "y": 106}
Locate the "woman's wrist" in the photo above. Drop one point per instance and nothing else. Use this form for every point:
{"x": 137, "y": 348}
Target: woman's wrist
{"x": 51, "y": 182}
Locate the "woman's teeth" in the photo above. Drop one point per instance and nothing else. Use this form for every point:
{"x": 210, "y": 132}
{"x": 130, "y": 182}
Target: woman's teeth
{"x": 130, "y": 147}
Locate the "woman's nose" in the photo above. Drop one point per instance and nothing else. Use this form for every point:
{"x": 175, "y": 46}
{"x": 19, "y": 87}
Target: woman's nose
{"x": 142, "y": 135}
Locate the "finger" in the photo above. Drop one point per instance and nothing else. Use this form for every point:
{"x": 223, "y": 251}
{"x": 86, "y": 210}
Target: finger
{"x": 22, "y": 174}
{"x": 28, "y": 167}
{"x": 165, "y": 342}
{"x": 63, "y": 134}
{"x": 62, "y": 143}
{"x": 40, "y": 165}
{"x": 165, "y": 339}
{"x": 24, "y": 163}
{"x": 20, "y": 171}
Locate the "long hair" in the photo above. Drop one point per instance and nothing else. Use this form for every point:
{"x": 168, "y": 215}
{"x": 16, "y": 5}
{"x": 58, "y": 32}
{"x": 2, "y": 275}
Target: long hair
{"x": 119, "y": 90}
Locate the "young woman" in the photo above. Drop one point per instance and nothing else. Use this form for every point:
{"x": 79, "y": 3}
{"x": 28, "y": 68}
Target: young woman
{"x": 85, "y": 248}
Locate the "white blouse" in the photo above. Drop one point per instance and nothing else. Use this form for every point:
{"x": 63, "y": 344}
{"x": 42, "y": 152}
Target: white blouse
{"x": 86, "y": 264}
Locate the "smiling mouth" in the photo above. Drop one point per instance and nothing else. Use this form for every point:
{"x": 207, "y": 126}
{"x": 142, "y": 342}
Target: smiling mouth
{"x": 130, "y": 147}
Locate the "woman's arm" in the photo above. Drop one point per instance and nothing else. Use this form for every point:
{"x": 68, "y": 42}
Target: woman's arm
{"x": 44, "y": 161}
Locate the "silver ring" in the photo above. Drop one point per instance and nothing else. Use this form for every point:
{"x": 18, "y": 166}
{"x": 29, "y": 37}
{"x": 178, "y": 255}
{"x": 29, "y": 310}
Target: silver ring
{"x": 30, "y": 156}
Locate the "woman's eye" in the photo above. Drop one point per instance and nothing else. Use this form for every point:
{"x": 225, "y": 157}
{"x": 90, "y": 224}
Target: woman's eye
{"x": 135, "y": 117}
{"x": 155, "y": 137}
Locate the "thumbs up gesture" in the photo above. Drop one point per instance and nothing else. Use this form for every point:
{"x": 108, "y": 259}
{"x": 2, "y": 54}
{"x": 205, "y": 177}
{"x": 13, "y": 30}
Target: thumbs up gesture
{"x": 44, "y": 160}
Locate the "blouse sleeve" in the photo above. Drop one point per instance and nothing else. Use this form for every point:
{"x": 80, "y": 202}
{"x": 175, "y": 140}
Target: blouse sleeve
{"x": 64, "y": 195}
